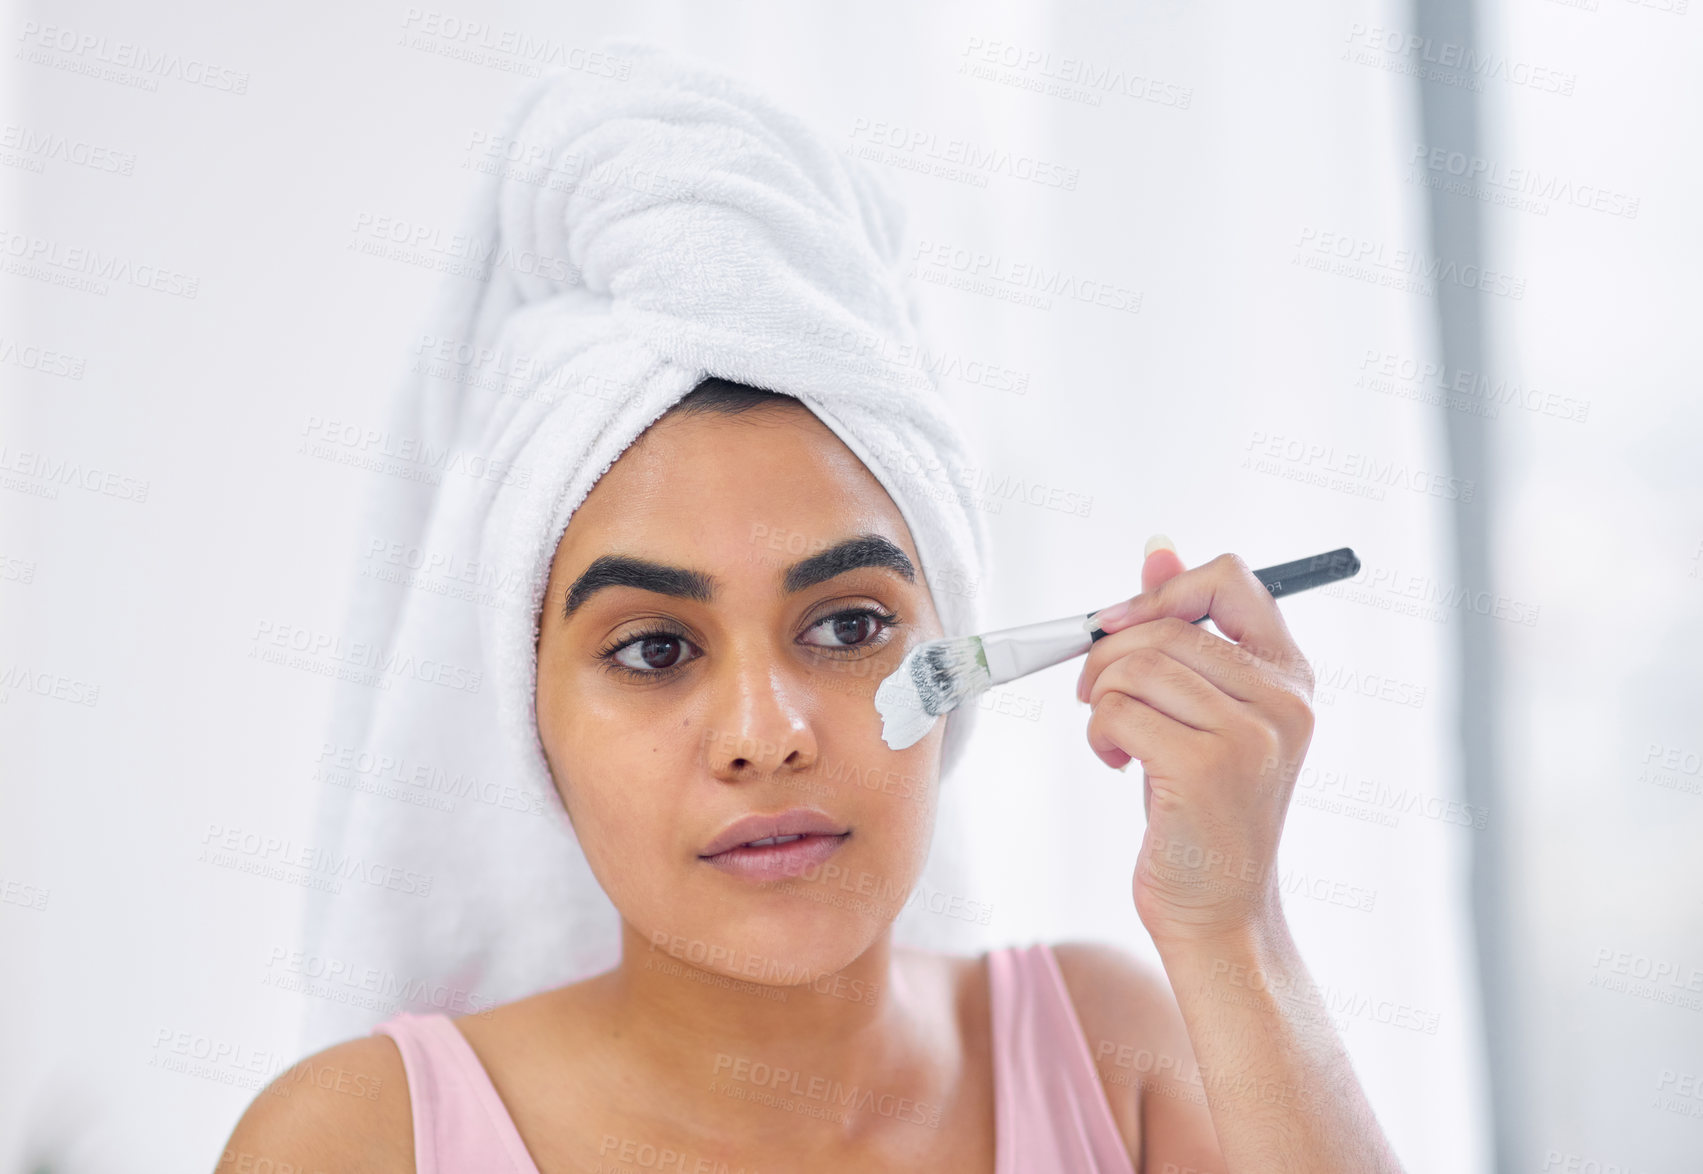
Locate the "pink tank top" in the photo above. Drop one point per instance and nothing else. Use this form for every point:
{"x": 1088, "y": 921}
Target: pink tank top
{"x": 1050, "y": 1112}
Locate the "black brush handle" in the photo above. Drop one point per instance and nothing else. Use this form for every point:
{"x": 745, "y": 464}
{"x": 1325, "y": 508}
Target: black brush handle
{"x": 1288, "y": 578}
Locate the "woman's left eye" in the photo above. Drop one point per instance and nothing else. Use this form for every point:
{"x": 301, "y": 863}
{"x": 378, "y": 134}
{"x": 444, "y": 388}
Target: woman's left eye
{"x": 859, "y": 628}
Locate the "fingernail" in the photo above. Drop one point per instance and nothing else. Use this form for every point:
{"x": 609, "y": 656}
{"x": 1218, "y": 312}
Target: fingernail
{"x": 1158, "y": 542}
{"x": 1125, "y": 766}
{"x": 1107, "y": 615}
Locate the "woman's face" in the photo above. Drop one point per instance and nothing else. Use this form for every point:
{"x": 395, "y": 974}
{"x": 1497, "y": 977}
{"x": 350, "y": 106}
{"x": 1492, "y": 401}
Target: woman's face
{"x": 719, "y": 614}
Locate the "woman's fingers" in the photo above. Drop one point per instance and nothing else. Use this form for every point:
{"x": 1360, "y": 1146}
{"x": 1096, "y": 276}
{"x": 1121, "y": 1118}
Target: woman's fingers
{"x": 1225, "y": 589}
{"x": 1159, "y": 562}
{"x": 1160, "y": 684}
{"x": 1149, "y": 673}
{"x": 1232, "y": 668}
{"x": 1123, "y": 728}
{"x": 1222, "y": 695}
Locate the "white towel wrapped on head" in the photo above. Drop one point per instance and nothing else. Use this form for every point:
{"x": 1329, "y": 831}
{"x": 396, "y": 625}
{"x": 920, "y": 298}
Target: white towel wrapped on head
{"x": 654, "y": 231}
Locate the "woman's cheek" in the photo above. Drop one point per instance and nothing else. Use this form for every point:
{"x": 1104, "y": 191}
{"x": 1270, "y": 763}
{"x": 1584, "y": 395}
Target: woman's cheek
{"x": 604, "y": 793}
{"x": 902, "y": 812}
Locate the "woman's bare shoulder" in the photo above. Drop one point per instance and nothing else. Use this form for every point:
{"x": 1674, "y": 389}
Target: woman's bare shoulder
{"x": 343, "y": 1109}
{"x": 1116, "y": 994}
{"x": 1141, "y": 1049}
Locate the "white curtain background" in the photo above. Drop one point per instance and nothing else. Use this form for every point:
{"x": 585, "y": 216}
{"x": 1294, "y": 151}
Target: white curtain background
{"x": 1602, "y": 521}
{"x": 1256, "y": 199}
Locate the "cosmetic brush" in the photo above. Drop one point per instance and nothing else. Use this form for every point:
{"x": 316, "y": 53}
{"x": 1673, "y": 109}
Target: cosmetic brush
{"x": 937, "y": 677}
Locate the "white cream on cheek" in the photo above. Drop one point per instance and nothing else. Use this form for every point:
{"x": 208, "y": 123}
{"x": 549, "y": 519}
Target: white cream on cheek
{"x": 904, "y": 721}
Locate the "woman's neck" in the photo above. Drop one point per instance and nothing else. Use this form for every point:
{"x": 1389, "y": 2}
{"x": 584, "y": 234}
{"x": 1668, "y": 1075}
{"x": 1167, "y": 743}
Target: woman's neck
{"x": 872, "y": 1027}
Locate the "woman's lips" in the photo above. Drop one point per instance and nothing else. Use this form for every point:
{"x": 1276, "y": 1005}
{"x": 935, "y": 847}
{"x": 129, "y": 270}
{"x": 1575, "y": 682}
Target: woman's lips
{"x": 776, "y": 860}
{"x": 796, "y": 821}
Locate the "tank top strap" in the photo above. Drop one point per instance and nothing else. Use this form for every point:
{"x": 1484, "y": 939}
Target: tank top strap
{"x": 460, "y": 1123}
{"x": 1050, "y": 1110}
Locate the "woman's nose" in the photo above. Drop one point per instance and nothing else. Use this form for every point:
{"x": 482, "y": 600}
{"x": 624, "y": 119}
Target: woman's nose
{"x": 760, "y": 722}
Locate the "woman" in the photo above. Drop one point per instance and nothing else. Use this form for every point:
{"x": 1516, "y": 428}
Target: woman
{"x": 680, "y": 722}
{"x": 704, "y": 709}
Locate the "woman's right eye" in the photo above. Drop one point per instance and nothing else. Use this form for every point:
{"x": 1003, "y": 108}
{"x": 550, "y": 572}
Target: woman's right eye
{"x": 654, "y": 652}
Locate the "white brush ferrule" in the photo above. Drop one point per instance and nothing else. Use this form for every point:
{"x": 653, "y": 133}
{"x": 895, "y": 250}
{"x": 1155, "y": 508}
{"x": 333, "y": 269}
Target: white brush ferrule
{"x": 1016, "y": 652}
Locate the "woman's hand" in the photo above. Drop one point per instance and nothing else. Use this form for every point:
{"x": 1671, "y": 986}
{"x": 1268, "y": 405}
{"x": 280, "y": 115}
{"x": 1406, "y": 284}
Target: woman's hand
{"x": 1220, "y": 727}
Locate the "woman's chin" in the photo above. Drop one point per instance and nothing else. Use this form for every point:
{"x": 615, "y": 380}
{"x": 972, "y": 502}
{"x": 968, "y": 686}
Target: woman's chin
{"x": 817, "y": 943}
{"x": 784, "y": 943}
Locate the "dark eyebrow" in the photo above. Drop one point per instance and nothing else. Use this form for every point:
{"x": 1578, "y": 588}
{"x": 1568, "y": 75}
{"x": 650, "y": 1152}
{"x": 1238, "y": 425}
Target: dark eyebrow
{"x": 866, "y": 550}
{"x": 619, "y": 570}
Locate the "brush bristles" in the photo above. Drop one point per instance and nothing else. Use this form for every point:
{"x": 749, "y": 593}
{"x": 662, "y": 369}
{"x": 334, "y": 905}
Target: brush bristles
{"x": 947, "y": 672}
